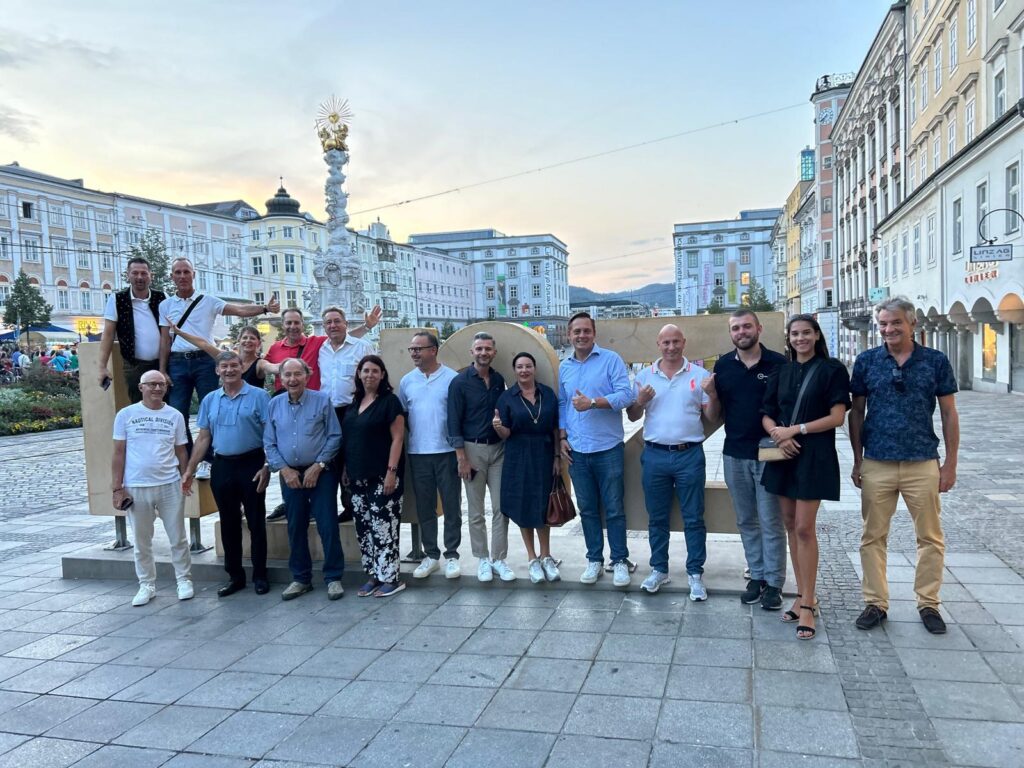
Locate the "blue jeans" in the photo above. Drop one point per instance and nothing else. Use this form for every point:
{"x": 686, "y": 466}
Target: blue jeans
{"x": 188, "y": 374}
{"x": 759, "y": 520}
{"x": 683, "y": 472}
{"x": 321, "y": 502}
{"x": 597, "y": 480}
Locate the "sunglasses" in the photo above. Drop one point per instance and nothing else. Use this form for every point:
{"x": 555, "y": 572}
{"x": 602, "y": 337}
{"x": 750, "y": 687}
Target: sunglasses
{"x": 897, "y": 379}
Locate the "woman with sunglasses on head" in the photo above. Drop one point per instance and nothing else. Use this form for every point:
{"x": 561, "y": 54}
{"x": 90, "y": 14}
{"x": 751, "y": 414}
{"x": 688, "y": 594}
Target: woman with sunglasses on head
{"x": 527, "y": 420}
{"x": 804, "y": 403}
{"x": 250, "y": 346}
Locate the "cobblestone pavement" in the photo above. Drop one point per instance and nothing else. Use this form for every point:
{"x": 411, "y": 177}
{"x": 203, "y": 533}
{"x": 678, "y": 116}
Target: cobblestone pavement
{"x": 515, "y": 675}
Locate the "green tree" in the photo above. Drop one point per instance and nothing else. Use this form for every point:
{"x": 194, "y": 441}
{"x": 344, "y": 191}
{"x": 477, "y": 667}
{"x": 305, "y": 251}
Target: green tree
{"x": 447, "y": 330}
{"x": 715, "y": 307}
{"x": 26, "y": 306}
{"x": 757, "y": 298}
{"x": 153, "y": 249}
{"x": 404, "y": 323}
{"x": 428, "y": 324}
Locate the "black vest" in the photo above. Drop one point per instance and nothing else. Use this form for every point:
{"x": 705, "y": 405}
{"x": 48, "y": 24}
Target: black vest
{"x": 126, "y": 320}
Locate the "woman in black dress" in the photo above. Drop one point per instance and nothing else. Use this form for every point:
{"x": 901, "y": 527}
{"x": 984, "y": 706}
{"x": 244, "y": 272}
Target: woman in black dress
{"x": 527, "y": 420}
{"x": 372, "y": 435}
{"x": 811, "y": 473}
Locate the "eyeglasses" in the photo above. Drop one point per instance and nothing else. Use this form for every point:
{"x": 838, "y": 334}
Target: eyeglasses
{"x": 154, "y": 385}
{"x": 897, "y": 379}
{"x": 413, "y": 350}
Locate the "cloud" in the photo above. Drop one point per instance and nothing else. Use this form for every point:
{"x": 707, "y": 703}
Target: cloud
{"x": 17, "y": 49}
{"x": 648, "y": 241}
{"x": 17, "y": 125}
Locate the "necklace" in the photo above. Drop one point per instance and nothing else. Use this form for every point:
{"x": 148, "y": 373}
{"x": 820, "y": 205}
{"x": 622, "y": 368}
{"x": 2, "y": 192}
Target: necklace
{"x": 529, "y": 411}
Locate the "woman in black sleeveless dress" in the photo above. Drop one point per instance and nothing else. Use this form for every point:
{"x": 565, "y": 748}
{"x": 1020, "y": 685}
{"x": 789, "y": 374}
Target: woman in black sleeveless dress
{"x": 812, "y": 471}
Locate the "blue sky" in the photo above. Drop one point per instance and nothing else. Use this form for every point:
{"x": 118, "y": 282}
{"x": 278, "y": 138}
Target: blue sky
{"x": 198, "y": 101}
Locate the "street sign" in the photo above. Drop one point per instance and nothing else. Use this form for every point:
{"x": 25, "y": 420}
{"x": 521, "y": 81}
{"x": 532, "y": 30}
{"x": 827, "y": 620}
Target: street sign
{"x": 980, "y": 253}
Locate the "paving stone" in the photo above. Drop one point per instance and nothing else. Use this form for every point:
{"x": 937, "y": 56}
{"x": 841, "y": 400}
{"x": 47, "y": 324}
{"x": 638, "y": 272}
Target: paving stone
{"x": 728, "y": 684}
{"x": 42, "y": 713}
{"x": 520, "y": 710}
{"x": 708, "y": 724}
{"x": 945, "y": 665}
{"x": 297, "y": 695}
{"x": 9, "y": 741}
{"x": 46, "y": 753}
{"x": 967, "y": 575}
{"x": 713, "y": 652}
{"x": 475, "y": 670}
{"x": 593, "y": 600}
{"x": 104, "y": 722}
{"x": 820, "y": 732}
{"x": 449, "y": 615}
{"x": 173, "y": 727}
{"x": 330, "y": 740}
{"x": 788, "y": 760}
{"x": 433, "y": 638}
{"x": 627, "y": 678}
{"x": 157, "y": 653}
{"x": 991, "y": 637}
{"x": 517, "y": 618}
{"x": 716, "y": 625}
{"x": 593, "y": 752}
{"x": 42, "y": 677}
{"x": 906, "y": 611}
{"x": 274, "y": 659}
{"x": 370, "y": 699}
{"x": 103, "y": 682}
{"x": 970, "y": 742}
{"x": 316, "y": 632}
{"x": 112, "y": 756}
{"x": 344, "y": 663}
{"x": 617, "y": 717}
{"x": 413, "y": 744}
{"x": 104, "y": 623}
{"x": 907, "y": 635}
{"x": 995, "y": 593}
{"x": 409, "y": 614}
{"x": 646, "y": 623}
{"x": 403, "y": 667}
{"x": 15, "y": 639}
{"x": 491, "y": 597}
{"x": 214, "y": 655}
{"x": 55, "y": 622}
{"x": 795, "y": 656}
{"x": 1009, "y": 667}
{"x": 381, "y": 637}
{"x": 445, "y": 705}
{"x": 566, "y": 645}
{"x": 230, "y": 690}
{"x": 103, "y": 649}
{"x": 51, "y": 647}
{"x": 968, "y": 701}
{"x": 668, "y": 755}
{"x": 965, "y": 613}
{"x": 509, "y": 749}
{"x": 206, "y": 761}
{"x": 499, "y": 642}
{"x": 535, "y": 596}
{"x": 798, "y": 689}
{"x": 1005, "y": 613}
{"x": 973, "y": 560}
{"x": 540, "y": 674}
{"x": 247, "y": 734}
{"x": 580, "y": 620}
{"x": 655, "y": 649}
{"x": 12, "y": 699}
{"x": 165, "y": 686}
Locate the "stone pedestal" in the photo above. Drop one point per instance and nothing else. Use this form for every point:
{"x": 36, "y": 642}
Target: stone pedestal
{"x": 277, "y": 542}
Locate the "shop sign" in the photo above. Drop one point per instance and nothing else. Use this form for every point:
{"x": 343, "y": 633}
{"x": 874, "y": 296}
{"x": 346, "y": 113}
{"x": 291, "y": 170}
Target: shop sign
{"x": 979, "y": 273}
{"x": 986, "y": 253}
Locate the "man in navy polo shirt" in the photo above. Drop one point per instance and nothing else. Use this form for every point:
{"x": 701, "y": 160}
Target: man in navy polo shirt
{"x": 896, "y": 452}
{"x": 735, "y": 392}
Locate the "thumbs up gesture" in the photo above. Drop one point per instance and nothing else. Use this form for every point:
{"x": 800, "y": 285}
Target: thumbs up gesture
{"x": 581, "y": 402}
{"x": 496, "y": 421}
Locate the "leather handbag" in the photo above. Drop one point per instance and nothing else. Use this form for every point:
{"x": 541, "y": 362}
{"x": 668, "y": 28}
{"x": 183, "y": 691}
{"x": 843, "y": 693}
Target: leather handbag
{"x": 767, "y": 449}
{"x": 560, "y": 506}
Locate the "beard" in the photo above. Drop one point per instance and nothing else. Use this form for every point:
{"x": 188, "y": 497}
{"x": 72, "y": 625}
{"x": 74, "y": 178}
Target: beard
{"x": 746, "y": 343}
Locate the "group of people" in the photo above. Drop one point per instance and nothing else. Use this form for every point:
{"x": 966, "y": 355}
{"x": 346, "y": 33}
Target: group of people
{"x": 60, "y": 359}
{"x": 338, "y": 423}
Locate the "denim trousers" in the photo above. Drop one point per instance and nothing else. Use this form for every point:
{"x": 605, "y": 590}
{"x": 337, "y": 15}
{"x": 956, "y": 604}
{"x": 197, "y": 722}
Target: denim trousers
{"x": 681, "y": 473}
{"x": 759, "y": 519}
{"x": 190, "y": 374}
{"x": 597, "y": 479}
{"x": 320, "y": 502}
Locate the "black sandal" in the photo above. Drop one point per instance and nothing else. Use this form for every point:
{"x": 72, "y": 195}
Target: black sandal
{"x": 803, "y": 632}
{"x": 790, "y": 616}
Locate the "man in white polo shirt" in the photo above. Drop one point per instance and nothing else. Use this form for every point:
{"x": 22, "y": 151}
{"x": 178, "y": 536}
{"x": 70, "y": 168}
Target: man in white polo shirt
{"x": 669, "y": 392}
{"x": 433, "y": 464}
{"x": 149, "y": 460}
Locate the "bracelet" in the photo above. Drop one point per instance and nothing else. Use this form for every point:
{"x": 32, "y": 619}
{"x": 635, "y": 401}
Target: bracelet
{"x": 119, "y": 489}
{"x": 393, "y": 469}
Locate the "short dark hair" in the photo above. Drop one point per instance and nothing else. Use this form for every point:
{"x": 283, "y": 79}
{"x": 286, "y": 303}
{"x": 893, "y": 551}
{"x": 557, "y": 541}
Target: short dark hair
{"x": 431, "y": 337}
{"x": 339, "y": 310}
{"x": 582, "y": 316}
{"x": 385, "y": 387}
{"x": 524, "y": 354}
{"x": 286, "y": 310}
{"x": 138, "y": 260}
{"x": 743, "y": 312}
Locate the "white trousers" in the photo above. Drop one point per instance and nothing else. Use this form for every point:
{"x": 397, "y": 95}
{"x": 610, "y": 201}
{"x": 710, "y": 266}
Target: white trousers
{"x": 168, "y": 503}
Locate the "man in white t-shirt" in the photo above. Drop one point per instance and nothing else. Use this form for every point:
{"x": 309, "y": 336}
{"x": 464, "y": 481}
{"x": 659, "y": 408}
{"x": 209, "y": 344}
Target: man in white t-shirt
{"x": 188, "y": 367}
{"x": 149, "y": 460}
{"x": 670, "y": 394}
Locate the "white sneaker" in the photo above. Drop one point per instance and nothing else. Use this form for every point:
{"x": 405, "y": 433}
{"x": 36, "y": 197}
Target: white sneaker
{"x": 484, "y": 572}
{"x": 504, "y": 572}
{"x": 203, "y": 471}
{"x": 697, "y": 591}
{"x": 144, "y": 595}
{"x": 593, "y": 573}
{"x": 655, "y": 581}
{"x": 426, "y": 567}
{"x": 536, "y": 572}
{"x": 452, "y": 569}
{"x": 551, "y": 569}
{"x": 621, "y": 576}
{"x": 185, "y": 590}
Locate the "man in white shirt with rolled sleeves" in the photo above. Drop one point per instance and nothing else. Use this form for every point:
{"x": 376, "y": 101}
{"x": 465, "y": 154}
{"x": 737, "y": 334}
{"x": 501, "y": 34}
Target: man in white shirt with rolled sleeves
{"x": 669, "y": 392}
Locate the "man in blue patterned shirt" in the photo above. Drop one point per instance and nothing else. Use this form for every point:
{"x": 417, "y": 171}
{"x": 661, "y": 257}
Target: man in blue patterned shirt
{"x": 896, "y": 452}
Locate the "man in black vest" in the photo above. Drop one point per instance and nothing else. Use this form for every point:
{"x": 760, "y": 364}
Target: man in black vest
{"x": 132, "y": 317}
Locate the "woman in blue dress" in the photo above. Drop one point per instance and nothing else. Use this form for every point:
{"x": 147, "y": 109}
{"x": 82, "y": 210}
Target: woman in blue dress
{"x": 527, "y": 420}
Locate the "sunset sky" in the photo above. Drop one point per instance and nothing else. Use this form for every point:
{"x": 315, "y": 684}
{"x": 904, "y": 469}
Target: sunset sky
{"x": 192, "y": 102}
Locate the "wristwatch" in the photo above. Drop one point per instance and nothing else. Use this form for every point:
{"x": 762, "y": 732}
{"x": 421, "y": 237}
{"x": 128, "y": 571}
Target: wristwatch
{"x": 393, "y": 469}
{"x": 803, "y": 429}
{"x": 593, "y": 403}
{"x": 322, "y": 464}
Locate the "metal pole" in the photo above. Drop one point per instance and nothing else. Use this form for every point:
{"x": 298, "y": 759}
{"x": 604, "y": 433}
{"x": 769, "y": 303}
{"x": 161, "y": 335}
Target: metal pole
{"x": 120, "y": 542}
{"x": 196, "y": 536}
{"x": 416, "y": 554}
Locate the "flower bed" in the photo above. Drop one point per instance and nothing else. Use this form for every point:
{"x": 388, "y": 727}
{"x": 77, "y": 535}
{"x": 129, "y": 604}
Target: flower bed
{"x": 42, "y": 401}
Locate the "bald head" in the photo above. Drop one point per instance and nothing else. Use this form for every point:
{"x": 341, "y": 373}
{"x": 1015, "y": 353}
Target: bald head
{"x": 153, "y": 385}
{"x": 671, "y": 343}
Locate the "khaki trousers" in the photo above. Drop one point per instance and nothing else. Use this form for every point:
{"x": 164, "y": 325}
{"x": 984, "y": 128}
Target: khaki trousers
{"x": 487, "y": 461}
{"x": 882, "y": 482}
{"x": 167, "y": 503}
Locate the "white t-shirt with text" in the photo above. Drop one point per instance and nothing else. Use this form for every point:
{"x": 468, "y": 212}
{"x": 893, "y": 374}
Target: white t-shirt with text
{"x": 151, "y": 436}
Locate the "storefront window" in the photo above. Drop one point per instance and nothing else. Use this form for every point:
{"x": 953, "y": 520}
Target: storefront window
{"x": 988, "y": 352}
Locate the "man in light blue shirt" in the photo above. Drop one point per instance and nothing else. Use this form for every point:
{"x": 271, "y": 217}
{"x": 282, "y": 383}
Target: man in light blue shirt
{"x": 233, "y": 418}
{"x": 593, "y": 389}
{"x": 301, "y": 439}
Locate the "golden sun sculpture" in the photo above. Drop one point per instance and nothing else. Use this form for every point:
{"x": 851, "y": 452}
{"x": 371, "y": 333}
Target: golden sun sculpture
{"x": 332, "y": 124}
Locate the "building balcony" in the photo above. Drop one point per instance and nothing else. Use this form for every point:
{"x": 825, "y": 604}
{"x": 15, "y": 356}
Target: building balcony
{"x": 855, "y": 314}
{"x": 389, "y": 287}
{"x": 390, "y": 314}
{"x": 386, "y": 257}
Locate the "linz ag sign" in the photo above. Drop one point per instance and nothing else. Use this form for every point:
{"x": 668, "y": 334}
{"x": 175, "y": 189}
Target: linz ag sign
{"x": 981, "y": 253}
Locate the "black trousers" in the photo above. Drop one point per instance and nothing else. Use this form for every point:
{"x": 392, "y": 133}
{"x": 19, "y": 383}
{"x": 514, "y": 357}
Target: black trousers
{"x": 231, "y": 480}
{"x": 339, "y": 464}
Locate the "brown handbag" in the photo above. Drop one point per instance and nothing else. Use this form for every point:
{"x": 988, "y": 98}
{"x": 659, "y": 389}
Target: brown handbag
{"x": 560, "y": 506}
